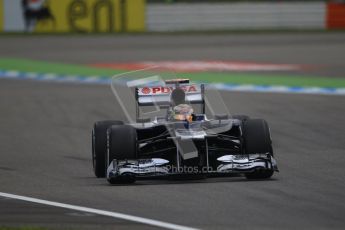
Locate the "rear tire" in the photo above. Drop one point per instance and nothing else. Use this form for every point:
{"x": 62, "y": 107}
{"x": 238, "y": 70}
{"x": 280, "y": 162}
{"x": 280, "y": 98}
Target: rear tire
{"x": 257, "y": 139}
{"x": 99, "y": 146}
{"x": 122, "y": 145}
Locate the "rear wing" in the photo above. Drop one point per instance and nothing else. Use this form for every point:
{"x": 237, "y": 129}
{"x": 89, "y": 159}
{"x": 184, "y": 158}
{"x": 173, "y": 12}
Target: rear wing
{"x": 161, "y": 95}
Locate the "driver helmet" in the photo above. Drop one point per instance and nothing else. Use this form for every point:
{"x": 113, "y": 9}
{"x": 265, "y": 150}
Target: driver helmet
{"x": 183, "y": 112}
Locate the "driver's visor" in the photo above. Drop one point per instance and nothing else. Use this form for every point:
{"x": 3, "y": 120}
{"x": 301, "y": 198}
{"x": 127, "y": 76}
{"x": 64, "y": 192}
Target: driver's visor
{"x": 181, "y": 117}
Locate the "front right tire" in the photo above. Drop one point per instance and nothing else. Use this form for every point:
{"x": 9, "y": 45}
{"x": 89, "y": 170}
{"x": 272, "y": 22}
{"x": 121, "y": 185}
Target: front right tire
{"x": 122, "y": 145}
{"x": 99, "y": 146}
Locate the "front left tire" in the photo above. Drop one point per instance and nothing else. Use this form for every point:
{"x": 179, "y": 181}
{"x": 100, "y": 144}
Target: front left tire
{"x": 257, "y": 139}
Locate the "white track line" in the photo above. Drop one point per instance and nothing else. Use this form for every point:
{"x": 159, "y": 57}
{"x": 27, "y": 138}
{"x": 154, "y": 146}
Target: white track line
{"x": 117, "y": 215}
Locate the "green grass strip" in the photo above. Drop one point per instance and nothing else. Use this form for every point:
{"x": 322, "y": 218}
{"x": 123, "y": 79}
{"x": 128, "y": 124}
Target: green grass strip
{"x": 22, "y": 228}
{"x": 24, "y": 65}
{"x": 260, "y": 79}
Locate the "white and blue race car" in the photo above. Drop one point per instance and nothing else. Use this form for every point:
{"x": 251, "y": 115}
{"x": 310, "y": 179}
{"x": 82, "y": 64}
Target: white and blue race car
{"x": 181, "y": 142}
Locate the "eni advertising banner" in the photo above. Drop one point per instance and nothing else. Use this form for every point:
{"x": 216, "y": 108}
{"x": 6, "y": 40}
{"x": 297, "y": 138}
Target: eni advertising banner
{"x": 55, "y": 16}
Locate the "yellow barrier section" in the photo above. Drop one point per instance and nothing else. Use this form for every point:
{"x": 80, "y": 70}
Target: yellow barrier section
{"x": 1, "y": 15}
{"x": 93, "y": 16}
{"x": 136, "y": 11}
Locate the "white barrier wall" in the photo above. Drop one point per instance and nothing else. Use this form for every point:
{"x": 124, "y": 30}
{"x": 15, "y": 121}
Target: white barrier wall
{"x": 223, "y": 16}
{"x": 13, "y": 16}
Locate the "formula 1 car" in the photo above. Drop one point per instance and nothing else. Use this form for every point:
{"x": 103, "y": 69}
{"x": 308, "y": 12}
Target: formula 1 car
{"x": 181, "y": 143}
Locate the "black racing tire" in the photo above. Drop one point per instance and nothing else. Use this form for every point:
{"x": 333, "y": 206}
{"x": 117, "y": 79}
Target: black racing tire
{"x": 257, "y": 139}
{"x": 240, "y": 117}
{"x": 99, "y": 146}
{"x": 122, "y": 145}
{"x": 122, "y": 142}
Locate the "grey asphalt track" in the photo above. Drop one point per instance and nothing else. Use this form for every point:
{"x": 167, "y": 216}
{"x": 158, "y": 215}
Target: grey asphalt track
{"x": 322, "y": 53}
{"x": 45, "y": 153}
{"x": 16, "y": 214}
